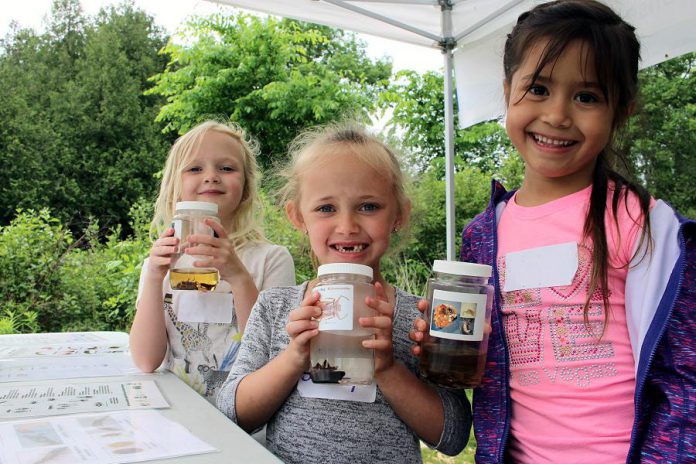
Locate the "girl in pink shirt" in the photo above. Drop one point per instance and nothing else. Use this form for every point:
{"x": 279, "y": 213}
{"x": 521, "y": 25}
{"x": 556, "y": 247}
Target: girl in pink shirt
{"x": 594, "y": 362}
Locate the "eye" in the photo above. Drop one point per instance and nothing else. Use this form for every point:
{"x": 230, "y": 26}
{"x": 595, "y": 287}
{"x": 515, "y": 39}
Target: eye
{"x": 369, "y": 207}
{"x": 587, "y": 97}
{"x": 228, "y": 169}
{"x": 538, "y": 90}
{"x": 325, "y": 209}
{"x": 194, "y": 169}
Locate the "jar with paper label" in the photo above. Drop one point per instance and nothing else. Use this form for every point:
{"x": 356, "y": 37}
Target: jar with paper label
{"x": 189, "y": 219}
{"x": 454, "y": 348}
{"x": 337, "y": 354}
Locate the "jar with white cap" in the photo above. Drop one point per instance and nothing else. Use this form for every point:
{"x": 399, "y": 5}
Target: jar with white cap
{"x": 337, "y": 354}
{"x": 454, "y": 348}
{"x": 189, "y": 219}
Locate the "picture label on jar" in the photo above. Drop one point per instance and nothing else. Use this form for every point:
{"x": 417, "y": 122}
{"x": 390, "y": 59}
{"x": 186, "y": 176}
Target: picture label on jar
{"x": 337, "y": 304}
{"x": 457, "y": 316}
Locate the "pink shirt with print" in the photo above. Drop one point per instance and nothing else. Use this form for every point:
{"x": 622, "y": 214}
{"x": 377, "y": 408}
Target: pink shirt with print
{"x": 572, "y": 392}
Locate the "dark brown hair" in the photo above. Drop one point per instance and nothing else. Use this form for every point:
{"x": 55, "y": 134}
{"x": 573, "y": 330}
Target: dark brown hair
{"x": 613, "y": 45}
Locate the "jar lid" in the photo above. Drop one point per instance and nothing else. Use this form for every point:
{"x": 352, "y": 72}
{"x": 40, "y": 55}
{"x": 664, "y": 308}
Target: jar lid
{"x": 197, "y": 205}
{"x": 345, "y": 268}
{"x": 462, "y": 268}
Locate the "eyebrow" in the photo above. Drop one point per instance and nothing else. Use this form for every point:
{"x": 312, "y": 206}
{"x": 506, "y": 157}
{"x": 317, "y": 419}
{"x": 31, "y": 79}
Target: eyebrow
{"x": 546, "y": 80}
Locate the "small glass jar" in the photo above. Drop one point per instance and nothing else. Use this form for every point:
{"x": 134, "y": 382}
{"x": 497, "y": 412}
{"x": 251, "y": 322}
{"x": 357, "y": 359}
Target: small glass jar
{"x": 337, "y": 354}
{"x": 189, "y": 219}
{"x": 454, "y": 348}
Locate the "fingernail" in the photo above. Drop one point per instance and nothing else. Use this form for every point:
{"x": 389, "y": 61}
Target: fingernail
{"x": 317, "y": 311}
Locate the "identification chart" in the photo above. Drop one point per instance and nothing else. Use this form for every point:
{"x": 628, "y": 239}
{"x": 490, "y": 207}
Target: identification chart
{"x": 67, "y": 398}
{"x": 105, "y": 438}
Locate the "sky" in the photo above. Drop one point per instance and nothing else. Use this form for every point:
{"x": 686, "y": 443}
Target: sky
{"x": 169, "y": 14}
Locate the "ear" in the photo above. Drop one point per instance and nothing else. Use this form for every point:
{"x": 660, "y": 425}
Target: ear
{"x": 631, "y": 109}
{"x": 293, "y": 213}
{"x": 404, "y": 216}
{"x": 506, "y": 91}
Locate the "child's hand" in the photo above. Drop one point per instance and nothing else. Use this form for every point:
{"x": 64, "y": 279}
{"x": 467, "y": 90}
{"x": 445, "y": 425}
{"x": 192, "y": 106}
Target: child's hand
{"x": 161, "y": 254}
{"x": 382, "y": 343}
{"x": 219, "y": 251}
{"x": 302, "y": 327}
{"x": 420, "y": 326}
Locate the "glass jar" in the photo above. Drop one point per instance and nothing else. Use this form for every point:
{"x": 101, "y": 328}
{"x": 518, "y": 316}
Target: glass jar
{"x": 337, "y": 354}
{"x": 454, "y": 348}
{"x": 189, "y": 219}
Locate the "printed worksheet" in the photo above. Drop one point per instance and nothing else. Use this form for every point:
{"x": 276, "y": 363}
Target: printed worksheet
{"x": 66, "y": 367}
{"x": 107, "y": 438}
{"x": 38, "y": 351}
{"x": 69, "y": 398}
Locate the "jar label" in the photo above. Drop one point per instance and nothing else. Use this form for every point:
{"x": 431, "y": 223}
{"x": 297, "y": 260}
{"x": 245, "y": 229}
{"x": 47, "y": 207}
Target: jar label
{"x": 337, "y": 304}
{"x": 457, "y": 316}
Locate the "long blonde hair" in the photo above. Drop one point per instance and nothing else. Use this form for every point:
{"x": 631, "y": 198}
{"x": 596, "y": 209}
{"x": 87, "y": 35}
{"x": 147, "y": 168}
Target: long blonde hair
{"x": 247, "y": 217}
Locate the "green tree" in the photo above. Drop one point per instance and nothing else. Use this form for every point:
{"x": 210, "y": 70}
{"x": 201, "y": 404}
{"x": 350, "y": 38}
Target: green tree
{"x": 79, "y": 136}
{"x": 418, "y": 121}
{"x": 661, "y": 137}
{"x": 274, "y": 77}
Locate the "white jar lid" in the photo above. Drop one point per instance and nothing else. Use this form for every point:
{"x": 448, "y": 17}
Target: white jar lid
{"x": 345, "y": 268}
{"x": 197, "y": 205}
{"x": 462, "y": 268}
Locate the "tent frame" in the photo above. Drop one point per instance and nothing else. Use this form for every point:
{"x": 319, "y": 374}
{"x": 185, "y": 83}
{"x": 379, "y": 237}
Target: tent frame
{"x": 446, "y": 43}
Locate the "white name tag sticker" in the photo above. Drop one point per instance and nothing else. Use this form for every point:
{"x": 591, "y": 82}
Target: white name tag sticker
{"x": 543, "y": 267}
{"x": 205, "y": 307}
{"x": 333, "y": 391}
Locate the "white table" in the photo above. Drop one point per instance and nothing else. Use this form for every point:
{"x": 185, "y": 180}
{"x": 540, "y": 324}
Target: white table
{"x": 187, "y": 407}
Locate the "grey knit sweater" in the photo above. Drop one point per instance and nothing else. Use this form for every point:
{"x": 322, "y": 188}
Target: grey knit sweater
{"x": 313, "y": 430}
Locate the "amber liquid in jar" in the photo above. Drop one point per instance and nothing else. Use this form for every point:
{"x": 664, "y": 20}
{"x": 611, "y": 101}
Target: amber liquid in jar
{"x": 454, "y": 348}
{"x": 193, "y": 279}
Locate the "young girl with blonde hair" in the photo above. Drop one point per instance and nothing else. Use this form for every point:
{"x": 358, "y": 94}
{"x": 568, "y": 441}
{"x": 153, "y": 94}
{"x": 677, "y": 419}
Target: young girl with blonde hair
{"x": 196, "y": 333}
{"x": 345, "y": 191}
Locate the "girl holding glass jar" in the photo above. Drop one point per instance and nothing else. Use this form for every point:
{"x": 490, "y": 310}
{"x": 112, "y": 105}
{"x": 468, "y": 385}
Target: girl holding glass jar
{"x": 210, "y": 168}
{"x": 345, "y": 191}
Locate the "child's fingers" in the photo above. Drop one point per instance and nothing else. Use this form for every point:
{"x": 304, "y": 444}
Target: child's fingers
{"x": 420, "y": 325}
{"x": 380, "y": 293}
{"x": 377, "y": 344}
{"x": 304, "y": 337}
{"x": 415, "y": 336}
{"x": 383, "y": 307}
{"x": 422, "y": 305}
{"x": 217, "y": 227}
{"x": 296, "y": 328}
{"x": 416, "y": 350}
{"x": 378, "y": 322}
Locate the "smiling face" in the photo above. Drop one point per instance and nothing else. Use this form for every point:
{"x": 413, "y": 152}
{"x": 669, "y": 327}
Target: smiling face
{"x": 560, "y": 123}
{"x": 215, "y": 173}
{"x": 347, "y": 208}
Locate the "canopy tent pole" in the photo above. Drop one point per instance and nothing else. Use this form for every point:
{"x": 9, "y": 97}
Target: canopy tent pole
{"x": 447, "y": 44}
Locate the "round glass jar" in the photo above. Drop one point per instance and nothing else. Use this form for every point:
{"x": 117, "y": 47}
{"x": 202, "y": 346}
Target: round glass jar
{"x": 454, "y": 348}
{"x": 189, "y": 219}
{"x": 337, "y": 354}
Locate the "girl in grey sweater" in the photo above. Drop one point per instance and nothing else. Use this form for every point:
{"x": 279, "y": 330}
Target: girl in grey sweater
{"x": 345, "y": 191}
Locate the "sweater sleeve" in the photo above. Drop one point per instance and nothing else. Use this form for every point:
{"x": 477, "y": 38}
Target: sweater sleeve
{"x": 254, "y": 353}
{"x": 457, "y": 427}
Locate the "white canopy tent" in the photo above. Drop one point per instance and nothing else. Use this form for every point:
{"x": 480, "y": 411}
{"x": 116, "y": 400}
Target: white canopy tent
{"x": 471, "y": 34}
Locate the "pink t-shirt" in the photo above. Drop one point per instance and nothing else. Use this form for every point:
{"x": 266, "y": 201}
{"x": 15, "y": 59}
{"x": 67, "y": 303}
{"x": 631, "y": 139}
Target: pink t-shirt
{"x": 572, "y": 392}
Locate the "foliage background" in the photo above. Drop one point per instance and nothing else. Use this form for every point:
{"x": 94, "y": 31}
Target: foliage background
{"x": 92, "y": 104}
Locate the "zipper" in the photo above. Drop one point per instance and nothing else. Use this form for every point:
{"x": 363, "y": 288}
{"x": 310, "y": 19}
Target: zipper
{"x": 640, "y": 384}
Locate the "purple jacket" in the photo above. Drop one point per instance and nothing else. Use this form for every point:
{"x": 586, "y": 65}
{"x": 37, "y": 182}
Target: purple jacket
{"x": 661, "y": 318}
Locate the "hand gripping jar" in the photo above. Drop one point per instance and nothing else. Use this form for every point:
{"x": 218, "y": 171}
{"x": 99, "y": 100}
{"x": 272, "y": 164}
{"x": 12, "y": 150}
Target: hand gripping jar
{"x": 189, "y": 220}
{"x": 459, "y": 313}
{"x": 337, "y": 354}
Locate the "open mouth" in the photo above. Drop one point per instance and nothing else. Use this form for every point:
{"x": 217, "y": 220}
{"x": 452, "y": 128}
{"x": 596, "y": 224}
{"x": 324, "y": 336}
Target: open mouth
{"x": 356, "y": 248}
{"x": 550, "y": 142}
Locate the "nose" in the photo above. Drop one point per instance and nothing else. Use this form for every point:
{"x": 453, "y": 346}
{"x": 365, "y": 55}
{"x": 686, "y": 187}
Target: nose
{"x": 556, "y": 113}
{"x": 212, "y": 176}
{"x": 347, "y": 224}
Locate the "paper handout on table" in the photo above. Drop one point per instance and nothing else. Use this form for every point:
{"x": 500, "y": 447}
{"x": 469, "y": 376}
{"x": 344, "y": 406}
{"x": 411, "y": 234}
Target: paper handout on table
{"x": 107, "y": 438}
{"x": 25, "y": 369}
{"x": 69, "y": 398}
